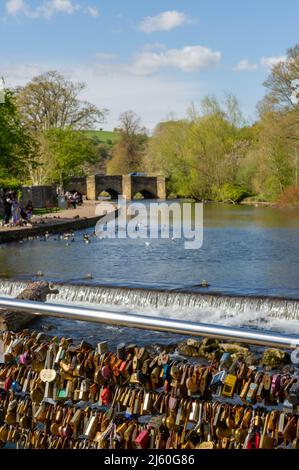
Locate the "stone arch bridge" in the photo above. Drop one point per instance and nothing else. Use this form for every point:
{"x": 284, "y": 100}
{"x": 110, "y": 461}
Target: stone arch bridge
{"x": 151, "y": 187}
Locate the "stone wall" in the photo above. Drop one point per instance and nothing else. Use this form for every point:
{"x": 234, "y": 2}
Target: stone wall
{"x": 41, "y": 196}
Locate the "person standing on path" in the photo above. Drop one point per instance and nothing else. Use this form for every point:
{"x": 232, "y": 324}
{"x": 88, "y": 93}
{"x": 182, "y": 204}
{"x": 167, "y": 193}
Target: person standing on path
{"x": 7, "y": 203}
{"x": 15, "y": 210}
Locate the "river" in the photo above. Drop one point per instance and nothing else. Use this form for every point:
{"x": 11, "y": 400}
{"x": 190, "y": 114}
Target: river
{"x": 249, "y": 257}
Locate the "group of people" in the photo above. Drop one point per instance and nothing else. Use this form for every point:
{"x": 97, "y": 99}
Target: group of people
{"x": 13, "y": 211}
{"x": 73, "y": 198}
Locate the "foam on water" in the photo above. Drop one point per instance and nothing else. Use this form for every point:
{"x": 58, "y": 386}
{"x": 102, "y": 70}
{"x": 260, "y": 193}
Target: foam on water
{"x": 266, "y": 313}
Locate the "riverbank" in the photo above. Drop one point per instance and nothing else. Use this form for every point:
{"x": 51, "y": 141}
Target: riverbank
{"x": 252, "y": 202}
{"x": 70, "y": 219}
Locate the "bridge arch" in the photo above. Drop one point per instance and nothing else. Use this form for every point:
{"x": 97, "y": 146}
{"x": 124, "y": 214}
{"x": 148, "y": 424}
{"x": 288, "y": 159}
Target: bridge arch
{"x": 153, "y": 187}
{"x": 145, "y": 194}
{"x": 96, "y": 184}
{"x": 76, "y": 183}
{"x": 111, "y": 192}
{"x": 145, "y": 185}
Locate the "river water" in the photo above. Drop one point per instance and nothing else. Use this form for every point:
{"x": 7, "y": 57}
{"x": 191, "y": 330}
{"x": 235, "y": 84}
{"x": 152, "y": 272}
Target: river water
{"x": 249, "y": 257}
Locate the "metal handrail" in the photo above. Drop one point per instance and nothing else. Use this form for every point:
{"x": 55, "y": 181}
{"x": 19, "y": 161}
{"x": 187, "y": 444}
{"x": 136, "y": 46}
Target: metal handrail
{"x": 263, "y": 338}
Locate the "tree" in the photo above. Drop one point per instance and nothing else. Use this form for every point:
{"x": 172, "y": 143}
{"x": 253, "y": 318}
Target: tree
{"x": 268, "y": 166}
{"x": 202, "y": 153}
{"x": 54, "y": 114}
{"x": 69, "y": 151}
{"x": 16, "y": 145}
{"x": 128, "y": 152}
{"x": 277, "y": 165}
{"x": 279, "y": 83}
{"x": 167, "y": 154}
{"x": 50, "y": 101}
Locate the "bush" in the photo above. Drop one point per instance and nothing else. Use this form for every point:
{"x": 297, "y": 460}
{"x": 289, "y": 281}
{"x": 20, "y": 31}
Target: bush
{"x": 290, "y": 197}
{"x": 10, "y": 183}
{"x": 230, "y": 193}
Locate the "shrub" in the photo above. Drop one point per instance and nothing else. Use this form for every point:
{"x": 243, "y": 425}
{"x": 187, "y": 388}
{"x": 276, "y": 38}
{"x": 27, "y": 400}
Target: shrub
{"x": 10, "y": 183}
{"x": 230, "y": 193}
{"x": 290, "y": 197}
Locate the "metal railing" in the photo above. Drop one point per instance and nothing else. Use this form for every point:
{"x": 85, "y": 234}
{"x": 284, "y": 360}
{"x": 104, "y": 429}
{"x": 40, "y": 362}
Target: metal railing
{"x": 263, "y": 338}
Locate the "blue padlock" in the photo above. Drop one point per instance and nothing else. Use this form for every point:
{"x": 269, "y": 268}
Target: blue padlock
{"x": 166, "y": 369}
{"x": 16, "y": 386}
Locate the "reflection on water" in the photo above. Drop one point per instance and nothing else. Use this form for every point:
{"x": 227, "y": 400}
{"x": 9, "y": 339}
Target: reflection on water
{"x": 246, "y": 250}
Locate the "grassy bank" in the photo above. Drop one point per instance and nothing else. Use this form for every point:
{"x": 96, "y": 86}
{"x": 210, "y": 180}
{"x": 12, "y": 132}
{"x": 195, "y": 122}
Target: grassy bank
{"x": 104, "y": 137}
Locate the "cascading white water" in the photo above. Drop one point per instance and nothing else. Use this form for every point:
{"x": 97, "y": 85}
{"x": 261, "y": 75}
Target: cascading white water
{"x": 166, "y": 301}
{"x": 11, "y": 288}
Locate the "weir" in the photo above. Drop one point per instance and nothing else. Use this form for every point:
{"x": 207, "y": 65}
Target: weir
{"x": 162, "y": 299}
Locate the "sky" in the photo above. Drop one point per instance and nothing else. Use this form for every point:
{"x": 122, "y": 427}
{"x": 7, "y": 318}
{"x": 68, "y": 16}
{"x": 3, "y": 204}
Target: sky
{"x": 152, "y": 57}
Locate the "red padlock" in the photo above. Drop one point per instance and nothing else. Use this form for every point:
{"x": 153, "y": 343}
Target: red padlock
{"x": 122, "y": 368}
{"x": 254, "y": 441}
{"x": 166, "y": 386}
{"x": 7, "y": 383}
{"x": 142, "y": 439}
{"x": 106, "y": 396}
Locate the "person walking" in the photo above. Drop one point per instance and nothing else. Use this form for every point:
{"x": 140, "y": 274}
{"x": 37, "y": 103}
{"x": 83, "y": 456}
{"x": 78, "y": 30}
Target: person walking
{"x": 72, "y": 200}
{"x": 15, "y": 210}
{"x": 29, "y": 210}
{"x": 7, "y": 203}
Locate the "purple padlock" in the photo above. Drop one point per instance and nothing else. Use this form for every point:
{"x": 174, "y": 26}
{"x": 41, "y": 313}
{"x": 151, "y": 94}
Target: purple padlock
{"x": 24, "y": 358}
{"x": 67, "y": 431}
{"x": 275, "y": 385}
{"x": 106, "y": 372}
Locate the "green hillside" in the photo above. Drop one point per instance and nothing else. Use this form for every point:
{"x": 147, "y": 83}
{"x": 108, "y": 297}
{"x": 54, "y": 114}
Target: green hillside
{"x": 105, "y": 137}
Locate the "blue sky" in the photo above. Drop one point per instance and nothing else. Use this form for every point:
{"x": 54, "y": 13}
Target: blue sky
{"x": 154, "y": 57}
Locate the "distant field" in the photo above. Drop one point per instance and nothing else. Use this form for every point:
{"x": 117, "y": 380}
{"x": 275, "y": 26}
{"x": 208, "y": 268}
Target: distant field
{"x": 107, "y": 137}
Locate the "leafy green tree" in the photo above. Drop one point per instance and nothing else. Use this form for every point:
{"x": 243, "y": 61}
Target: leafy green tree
{"x": 70, "y": 151}
{"x": 51, "y": 108}
{"x": 269, "y": 164}
{"x": 16, "y": 145}
{"x": 201, "y": 153}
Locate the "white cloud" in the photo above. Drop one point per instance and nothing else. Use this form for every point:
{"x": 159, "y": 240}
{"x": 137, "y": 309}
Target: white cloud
{"x": 152, "y": 97}
{"x": 105, "y": 56}
{"x": 115, "y": 88}
{"x": 188, "y": 58}
{"x": 245, "y": 65}
{"x": 15, "y": 6}
{"x": 92, "y": 11}
{"x": 19, "y": 75}
{"x": 47, "y": 9}
{"x": 271, "y": 61}
{"x": 162, "y": 22}
{"x": 153, "y": 46}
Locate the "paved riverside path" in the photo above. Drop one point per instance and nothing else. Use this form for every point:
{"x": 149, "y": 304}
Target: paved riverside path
{"x": 70, "y": 219}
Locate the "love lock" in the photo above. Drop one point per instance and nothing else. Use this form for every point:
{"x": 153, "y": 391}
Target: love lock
{"x": 295, "y": 356}
{"x": 253, "y": 441}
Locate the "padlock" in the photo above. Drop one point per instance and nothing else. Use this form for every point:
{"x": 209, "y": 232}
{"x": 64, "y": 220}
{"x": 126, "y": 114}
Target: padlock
{"x": 106, "y": 396}
{"x": 293, "y": 394}
{"x": 142, "y": 439}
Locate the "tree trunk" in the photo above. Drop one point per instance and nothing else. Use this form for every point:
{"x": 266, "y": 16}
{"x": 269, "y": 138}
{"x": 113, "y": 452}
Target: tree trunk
{"x": 13, "y": 320}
